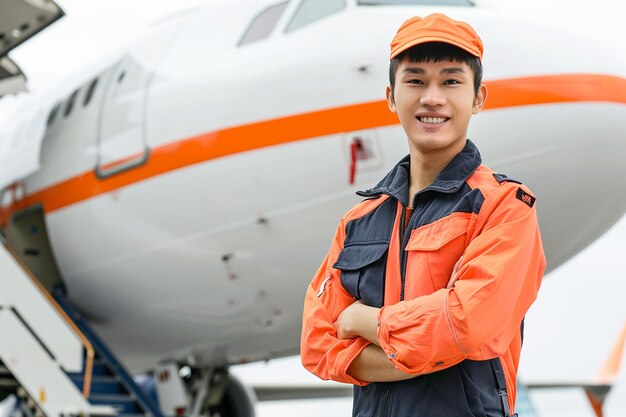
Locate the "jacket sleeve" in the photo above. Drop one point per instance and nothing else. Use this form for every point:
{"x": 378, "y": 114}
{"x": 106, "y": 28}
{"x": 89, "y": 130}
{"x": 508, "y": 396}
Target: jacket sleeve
{"x": 322, "y": 353}
{"x": 477, "y": 318}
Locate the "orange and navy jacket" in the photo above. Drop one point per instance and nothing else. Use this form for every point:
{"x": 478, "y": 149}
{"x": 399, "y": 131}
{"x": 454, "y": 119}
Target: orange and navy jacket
{"x": 459, "y": 340}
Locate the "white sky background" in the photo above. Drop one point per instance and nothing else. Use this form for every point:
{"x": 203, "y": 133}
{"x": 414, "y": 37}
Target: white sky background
{"x": 581, "y": 308}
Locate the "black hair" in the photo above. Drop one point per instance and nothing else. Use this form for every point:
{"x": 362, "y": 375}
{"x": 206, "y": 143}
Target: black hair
{"x": 437, "y": 52}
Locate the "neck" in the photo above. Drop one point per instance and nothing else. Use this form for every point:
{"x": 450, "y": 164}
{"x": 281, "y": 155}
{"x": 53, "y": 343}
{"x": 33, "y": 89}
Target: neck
{"x": 426, "y": 166}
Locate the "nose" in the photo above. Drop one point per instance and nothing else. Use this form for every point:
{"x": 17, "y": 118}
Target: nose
{"x": 432, "y": 96}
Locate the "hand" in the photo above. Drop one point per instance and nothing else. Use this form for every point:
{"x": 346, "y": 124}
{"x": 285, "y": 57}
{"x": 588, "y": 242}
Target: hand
{"x": 455, "y": 273}
{"x": 357, "y": 320}
{"x": 347, "y": 322}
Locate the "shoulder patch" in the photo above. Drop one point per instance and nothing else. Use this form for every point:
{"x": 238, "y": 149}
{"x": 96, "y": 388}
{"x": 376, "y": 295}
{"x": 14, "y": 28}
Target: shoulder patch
{"x": 502, "y": 178}
{"x": 526, "y": 198}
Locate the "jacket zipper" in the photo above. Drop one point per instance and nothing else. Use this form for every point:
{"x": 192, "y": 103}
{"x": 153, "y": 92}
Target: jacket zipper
{"x": 403, "y": 255}
{"x": 385, "y": 400}
{"x": 401, "y": 236}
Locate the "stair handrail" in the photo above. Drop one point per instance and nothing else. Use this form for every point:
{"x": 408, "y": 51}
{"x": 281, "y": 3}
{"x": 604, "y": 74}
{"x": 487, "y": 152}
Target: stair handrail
{"x": 89, "y": 362}
{"x": 105, "y": 353}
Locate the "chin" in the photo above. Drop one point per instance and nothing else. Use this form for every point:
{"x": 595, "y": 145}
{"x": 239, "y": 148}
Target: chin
{"x": 434, "y": 144}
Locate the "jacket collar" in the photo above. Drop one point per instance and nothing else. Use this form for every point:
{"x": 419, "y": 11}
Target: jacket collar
{"x": 449, "y": 180}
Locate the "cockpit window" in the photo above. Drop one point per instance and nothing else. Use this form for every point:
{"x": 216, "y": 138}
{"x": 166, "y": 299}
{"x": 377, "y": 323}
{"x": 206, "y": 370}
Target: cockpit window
{"x": 262, "y": 24}
{"x": 311, "y": 10}
{"x": 415, "y": 2}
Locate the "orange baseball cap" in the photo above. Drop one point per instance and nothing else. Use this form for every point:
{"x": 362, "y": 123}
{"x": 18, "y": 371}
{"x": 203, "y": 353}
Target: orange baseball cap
{"x": 436, "y": 27}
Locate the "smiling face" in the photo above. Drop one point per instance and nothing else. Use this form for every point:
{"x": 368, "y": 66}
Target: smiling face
{"x": 434, "y": 102}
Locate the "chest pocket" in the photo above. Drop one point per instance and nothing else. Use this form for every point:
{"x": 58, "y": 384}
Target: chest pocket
{"x": 362, "y": 268}
{"x": 432, "y": 252}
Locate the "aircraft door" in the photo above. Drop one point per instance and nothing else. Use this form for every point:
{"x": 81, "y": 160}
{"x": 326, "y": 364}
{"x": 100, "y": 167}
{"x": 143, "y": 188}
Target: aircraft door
{"x": 121, "y": 135}
{"x": 122, "y": 142}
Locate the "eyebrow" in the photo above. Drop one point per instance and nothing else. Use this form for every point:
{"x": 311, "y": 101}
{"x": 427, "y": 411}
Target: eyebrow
{"x": 422, "y": 71}
{"x": 453, "y": 70}
{"x": 414, "y": 70}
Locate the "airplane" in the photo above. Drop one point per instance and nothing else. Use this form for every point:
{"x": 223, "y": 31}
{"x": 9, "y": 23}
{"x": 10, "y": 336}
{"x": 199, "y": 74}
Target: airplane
{"x": 187, "y": 188}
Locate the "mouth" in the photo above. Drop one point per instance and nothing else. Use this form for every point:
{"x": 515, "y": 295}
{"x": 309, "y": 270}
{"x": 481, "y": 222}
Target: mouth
{"x": 433, "y": 120}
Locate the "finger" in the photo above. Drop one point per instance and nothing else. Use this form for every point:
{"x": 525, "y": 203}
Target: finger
{"x": 451, "y": 282}
{"x": 455, "y": 272}
{"x": 338, "y": 330}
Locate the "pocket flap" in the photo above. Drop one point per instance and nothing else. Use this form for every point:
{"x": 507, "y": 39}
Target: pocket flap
{"x": 436, "y": 235}
{"x": 359, "y": 255}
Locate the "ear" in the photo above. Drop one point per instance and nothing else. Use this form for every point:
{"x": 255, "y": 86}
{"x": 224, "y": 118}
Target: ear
{"x": 480, "y": 99}
{"x": 390, "y": 101}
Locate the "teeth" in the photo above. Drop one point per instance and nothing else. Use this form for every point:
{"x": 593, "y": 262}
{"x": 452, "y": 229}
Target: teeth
{"x": 432, "y": 119}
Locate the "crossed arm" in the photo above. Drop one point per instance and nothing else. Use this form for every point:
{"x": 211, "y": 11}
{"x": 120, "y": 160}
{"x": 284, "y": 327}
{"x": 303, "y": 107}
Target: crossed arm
{"x": 372, "y": 364}
{"x": 476, "y": 318}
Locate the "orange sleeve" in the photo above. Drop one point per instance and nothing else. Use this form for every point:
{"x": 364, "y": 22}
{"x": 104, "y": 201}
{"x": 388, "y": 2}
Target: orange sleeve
{"x": 477, "y": 318}
{"x": 322, "y": 353}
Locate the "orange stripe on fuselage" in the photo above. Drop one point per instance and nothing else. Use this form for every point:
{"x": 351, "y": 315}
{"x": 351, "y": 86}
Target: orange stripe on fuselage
{"x": 547, "y": 89}
{"x": 503, "y": 93}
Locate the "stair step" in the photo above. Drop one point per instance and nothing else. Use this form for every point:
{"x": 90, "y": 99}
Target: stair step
{"x": 123, "y": 403}
{"x": 100, "y": 384}
{"x": 8, "y": 382}
{"x": 99, "y": 369}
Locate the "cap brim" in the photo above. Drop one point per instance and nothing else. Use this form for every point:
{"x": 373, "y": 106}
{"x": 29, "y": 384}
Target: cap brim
{"x": 434, "y": 39}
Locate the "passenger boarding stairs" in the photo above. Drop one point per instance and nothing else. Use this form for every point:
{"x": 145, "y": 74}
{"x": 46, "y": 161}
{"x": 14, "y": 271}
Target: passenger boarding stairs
{"x": 52, "y": 360}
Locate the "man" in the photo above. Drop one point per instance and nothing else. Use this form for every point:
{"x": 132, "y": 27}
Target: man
{"x": 420, "y": 301}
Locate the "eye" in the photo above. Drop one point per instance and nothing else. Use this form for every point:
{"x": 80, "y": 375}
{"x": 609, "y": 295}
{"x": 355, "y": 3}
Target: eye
{"x": 414, "y": 81}
{"x": 451, "y": 82}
